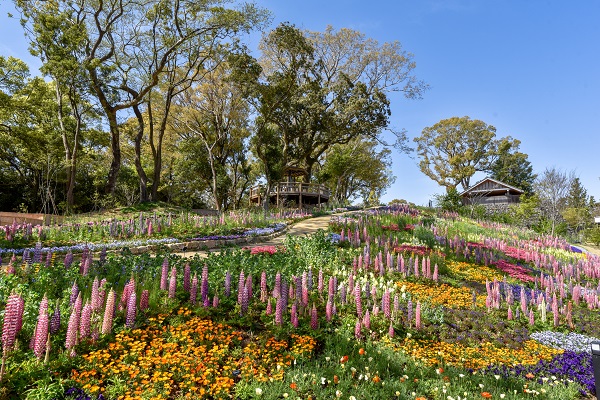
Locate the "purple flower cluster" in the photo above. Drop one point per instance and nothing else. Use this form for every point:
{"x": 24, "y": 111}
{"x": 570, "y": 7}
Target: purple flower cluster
{"x": 568, "y": 365}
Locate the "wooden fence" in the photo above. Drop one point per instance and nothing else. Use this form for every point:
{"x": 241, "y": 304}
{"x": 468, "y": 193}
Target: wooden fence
{"x": 7, "y": 218}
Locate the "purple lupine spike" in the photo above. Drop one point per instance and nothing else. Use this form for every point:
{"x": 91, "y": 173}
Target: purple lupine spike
{"x": 144, "y": 300}
{"x": 343, "y": 294}
{"x": 85, "y": 265}
{"x": 241, "y": 284}
{"x": 68, "y": 259}
{"x": 269, "y": 309}
{"x": 73, "y": 327}
{"x": 41, "y": 331}
{"x": 48, "y": 259}
{"x": 164, "y": 274}
{"x": 194, "y": 290}
{"x": 74, "y": 293}
{"x": 127, "y": 291}
{"x": 263, "y": 287}
{"x": 320, "y": 282}
{"x": 215, "y": 302}
{"x": 85, "y": 321}
{"x": 109, "y": 312}
{"x": 298, "y": 294}
{"x": 358, "y": 300}
{"x": 331, "y": 287}
{"x": 55, "y": 320}
{"x": 96, "y": 305}
{"x": 531, "y": 319}
{"x": 37, "y": 253}
{"x": 131, "y": 311}
{"x": 103, "y": 255}
{"x": 391, "y": 330}
{"x": 277, "y": 288}
{"x": 294, "y": 316}
{"x": 248, "y": 285}
{"x": 186, "y": 277}
{"x": 284, "y": 295}
{"x": 314, "y": 321}
{"x": 173, "y": 282}
{"x": 227, "y": 284}
{"x": 309, "y": 279}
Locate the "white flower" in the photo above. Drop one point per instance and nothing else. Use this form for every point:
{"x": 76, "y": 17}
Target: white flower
{"x": 502, "y": 395}
{"x": 258, "y": 391}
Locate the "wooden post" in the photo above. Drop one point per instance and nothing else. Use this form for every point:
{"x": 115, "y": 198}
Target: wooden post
{"x": 300, "y": 196}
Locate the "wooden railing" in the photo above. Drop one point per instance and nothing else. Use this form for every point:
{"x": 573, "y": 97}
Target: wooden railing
{"x": 292, "y": 188}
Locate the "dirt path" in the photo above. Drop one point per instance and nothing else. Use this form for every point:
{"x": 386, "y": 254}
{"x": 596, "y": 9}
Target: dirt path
{"x": 302, "y": 228}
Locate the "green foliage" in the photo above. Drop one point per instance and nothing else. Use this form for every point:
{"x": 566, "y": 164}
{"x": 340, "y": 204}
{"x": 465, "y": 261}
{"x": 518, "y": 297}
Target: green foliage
{"x": 512, "y": 167}
{"x": 450, "y": 201}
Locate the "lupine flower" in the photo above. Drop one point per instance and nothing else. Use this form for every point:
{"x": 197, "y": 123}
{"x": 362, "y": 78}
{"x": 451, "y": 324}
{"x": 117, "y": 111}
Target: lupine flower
{"x": 263, "y": 287}
{"x": 173, "y": 282}
{"x": 294, "y": 316}
{"x": 391, "y": 330}
{"x": 96, "y": 305}
{"x": 279, "y": 311}
{"x": 269, "y": 309}
{"x": 73, "y": 327}
{"x": 328, "y": 309}
{"x": 144, "y": 298}
{"x": 320, "y": 281}
{"x": 55, "y": 320}
{"x": 357, "y": 329}
{"x": 109, "y": 312}
{"x": 85, "y": 321}
{"x": 241, "y": 284}
{"x": 314, "y": 322}
{"x": 249, "y": 285}
{"x": 385, "y": 304}
{"x": 358, "y": 301}
{"x": 194, "y": 289}
{"x": 367, "y": 320}
{"x": 41, "y": 331}
{"x": 215, "y": 302}
{"x": 74, "y": 293}
{"x": 13, "y": 320}
{"x": 131, "y": 310}
{"x": 244, "y": 300}
{"x": 68, "y": 259}
{"x": 204, "y": 286}
{"x": 277, "y": 288}
{"x": 164, "y": 273}
{"x": 186, "y": 277}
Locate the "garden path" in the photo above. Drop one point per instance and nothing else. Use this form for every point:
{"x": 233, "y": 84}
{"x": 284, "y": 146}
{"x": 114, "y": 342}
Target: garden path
{"x": 301, "y": 228}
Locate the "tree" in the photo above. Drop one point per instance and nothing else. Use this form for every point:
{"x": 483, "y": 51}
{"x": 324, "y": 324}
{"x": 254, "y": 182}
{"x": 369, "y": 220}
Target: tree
{"x": 511, "y": 166}
{"x": 552, "y": 188}
{"x": 454, "y": 149}
{"x": 315, "y": 100}
{"x": 577, "y": 212}
{"x": 356, "y": 169}
{"x": 128, "y": 44}
{"x": 214, "y": 114}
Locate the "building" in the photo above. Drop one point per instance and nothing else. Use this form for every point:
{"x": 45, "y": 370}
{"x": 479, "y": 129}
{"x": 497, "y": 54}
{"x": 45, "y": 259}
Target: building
{"x": 490, "y": 192}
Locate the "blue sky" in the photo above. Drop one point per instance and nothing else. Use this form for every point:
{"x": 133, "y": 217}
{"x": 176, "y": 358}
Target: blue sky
{"x": 529, "y": 68}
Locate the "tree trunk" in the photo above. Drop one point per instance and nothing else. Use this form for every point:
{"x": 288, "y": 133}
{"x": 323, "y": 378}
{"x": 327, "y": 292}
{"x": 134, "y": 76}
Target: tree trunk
{"x": 143, "y": 178}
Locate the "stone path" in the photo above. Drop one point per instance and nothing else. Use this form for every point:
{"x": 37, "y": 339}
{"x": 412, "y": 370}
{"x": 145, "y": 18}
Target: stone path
{"x": 302, "y": 228}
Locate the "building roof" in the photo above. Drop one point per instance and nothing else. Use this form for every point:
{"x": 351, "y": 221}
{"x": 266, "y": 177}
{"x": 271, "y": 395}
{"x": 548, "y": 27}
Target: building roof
{"x": 499, "y": 186}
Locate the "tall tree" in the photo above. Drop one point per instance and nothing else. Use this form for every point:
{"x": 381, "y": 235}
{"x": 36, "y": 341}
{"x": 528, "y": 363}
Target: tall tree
{"x": 511, "y": 166}
{"x": 214, "y": 114}
{"x": 128, "y": 44}
{"x": 357, "y": 169}
{"x": 454, "y": 149}
{"x": 552, "y": 188}
{"x": 577, "y": 212}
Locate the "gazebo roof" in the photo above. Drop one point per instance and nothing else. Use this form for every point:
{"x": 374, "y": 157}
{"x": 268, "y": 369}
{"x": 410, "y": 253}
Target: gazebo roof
{"x": 294, "y": 171}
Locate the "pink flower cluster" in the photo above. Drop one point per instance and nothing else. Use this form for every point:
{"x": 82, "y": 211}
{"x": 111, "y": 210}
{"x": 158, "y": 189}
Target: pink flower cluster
{"x": 263, "y": 250}
{"x": 514, "y": 271}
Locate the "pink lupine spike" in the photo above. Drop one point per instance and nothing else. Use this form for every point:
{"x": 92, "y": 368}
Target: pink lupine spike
{"x": 109, "y": 313}
{"x": 131, "y": 311}
{"x": 186, "y": 277}
{"x": 85, "y": 321}
{"x": 73, "y": 327}
{"x": 144, "y": 300}
{"x": 41, "y": 330}
{"x": 164, "y": 274}
{"x": 194, "y": 290}
{"x": 13, "y": 320}
{"x": 173, "y": 282}
{"x": 314, "y": 322}
{"x": 96, "y": 295}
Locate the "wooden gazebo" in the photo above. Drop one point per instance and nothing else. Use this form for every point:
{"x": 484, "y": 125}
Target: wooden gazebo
{"x": 292, "y": 191}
